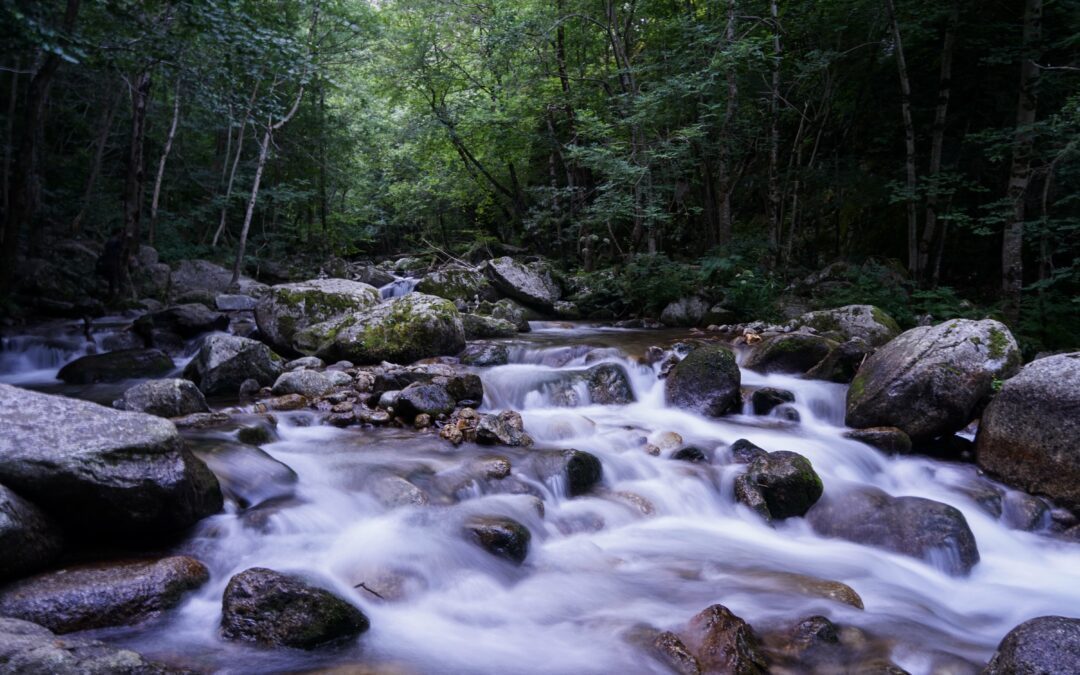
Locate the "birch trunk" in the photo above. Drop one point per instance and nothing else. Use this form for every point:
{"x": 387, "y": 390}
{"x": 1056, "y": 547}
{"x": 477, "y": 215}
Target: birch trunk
{"x": 161, "y": 164}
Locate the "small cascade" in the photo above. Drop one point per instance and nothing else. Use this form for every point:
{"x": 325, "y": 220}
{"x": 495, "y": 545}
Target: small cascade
{"x": 398, "y": 287}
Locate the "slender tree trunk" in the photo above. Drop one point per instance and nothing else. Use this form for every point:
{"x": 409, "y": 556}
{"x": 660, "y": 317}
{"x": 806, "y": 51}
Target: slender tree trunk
{"x": 1012, "y": 245}
{"x": 909, "y": 143}
{"x": 774, "y": 134}
{"x": 9, "y": 141}
{"x": 235, "y": 164}
{"x": 323, "y": 202}
{"x": 95, "y": 167}
{"x": 724, "y": 183}
{"x": 136, "y": 177}
{"x": 161, "y": 163}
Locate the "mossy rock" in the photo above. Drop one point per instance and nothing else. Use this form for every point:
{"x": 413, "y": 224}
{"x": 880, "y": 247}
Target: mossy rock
{"x": 866, "y": 322}
{"x": 707, "y": 381}
{"x": 289, "y": 308}
{"x": 789, "y": 353}
{"x": 479, "y": 327}
{"x": 456, "y": 282}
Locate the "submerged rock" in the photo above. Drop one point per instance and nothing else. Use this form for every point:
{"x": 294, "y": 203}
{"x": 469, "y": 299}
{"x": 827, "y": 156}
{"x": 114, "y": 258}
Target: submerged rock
{"x": 931, "y": 380}
{"x": 579, "y": 470}
{"x": 270, "y": 608}
{"x": 224, "y": 362}
{"x": 603, "y": 384}
{"x": 248, "y": 475}
{"x": 125, "y": 364}
{"x": 530, "y": 283}
{"x": 779, "y": 485}
{"x": 101, "y": 595}
{"x": 707, "y": 381}
{"x": 28, "y": 538}
{"x": 724, "y": 643}
{"x": 28, "y": 648}
{"x": 1047, "y": 645}
{"x": 502, "y": 537}
{"x": 287, "y": 309}
{"x": 767, "y": 398}
{"x": 100, "y": 469}
{"x": 1028, "y": 436}
{"x": 164, "y": 398}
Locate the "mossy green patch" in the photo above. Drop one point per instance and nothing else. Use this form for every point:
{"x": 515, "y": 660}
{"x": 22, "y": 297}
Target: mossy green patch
{"x": 998, "y": 343}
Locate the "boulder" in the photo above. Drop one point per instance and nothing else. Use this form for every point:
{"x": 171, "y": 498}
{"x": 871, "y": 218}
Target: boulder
{"x": 101, "y": 470}
{"x": 458, "y": 283}
{"x": 224, "y": 362}
{"x": 931, "y": 380}
{"x": 478, "y": 327}
{"x": 31, "y": 649}
{"x": 724, "y": 643}
{"x": 505, "y": 428}
{"x": 485, "y": 354}
{"x": 765, "y": 399}
{"x": 287, "y": 309}
{"x": 502, "y": 537}
{"x": 29, "y": 539}
{"x": 685, "y": 312}
{"x": 424, "y": 399}
{"x": 101, "y": 595}
{"x": 530, "y": 283}
{"x": 202, "y": 275}
{"x": 1047, "y": 645}
{"x": 788, "y": 353}
{"x": 401, "y": 330}
{"x": 235, "y": 303}
{"x": 866, "y": 322}
{"x": 603, "y": 384}
{"x": 309, "y": 383}
{"x": 1028, "y": 434}
{"x": 164, "y": 398}
{"x": 271, "y": 608}
{"x": 577, "y": 471}
{"x": 508, "y": 310}
{"x": 779, "y": 485}
{"x": 188, "y": 320}
{"x": 125, "y": 364}
{"x": 841, "y": 364}
{"x": 920, "y": 528}
{"x": 707, "y": 381}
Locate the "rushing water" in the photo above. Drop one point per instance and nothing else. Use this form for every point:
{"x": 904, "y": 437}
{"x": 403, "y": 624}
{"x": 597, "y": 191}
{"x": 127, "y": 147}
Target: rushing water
{"x": 658, "y": 542}
{"x": 398, "y": 287}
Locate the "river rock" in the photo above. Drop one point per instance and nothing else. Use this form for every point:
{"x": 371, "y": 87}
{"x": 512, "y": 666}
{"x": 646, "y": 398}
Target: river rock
{"x": 685, "y": 312}
{"x": 485, "y": 354}
{"x": 784, "y": 483}
{"x": 765, "y": 399}
{"x": 504, "y": 428}
{"x": 478, "y": 327}
{"x": 99, "y": 469}
{"x": 309, "y": 383}
{"x": 1047, "y": 645}
{"x": 458, "y": 283}
{"x": 920, "y": 528}
{"x": 1028, "y": 434}
{"x": 502, "y": 537}
{"x": 724, "y": 643}
{"x": 603, "y": 384}
{"x": 789, "y": 353}
{"x": 107, "y": 594}
{"x": 227, "y": 302}
{"x": 164, "y": 398}
{"x": 530, "y": 283}
{"x": 866, "y": 322}
{"x": 270, "y": 608}
{"x": 224, "y": 362}
{"x": 30, "y": 649}
{"x": 931, "y": 380}
{"x": 125, "y": 364}
{"x": 202, "y": 275}
{"x": 401, "y": 330}
{"x": 508, "y": 310}
{"x": 424, "y": 399}
{"x": 28, "y": 538}
{"x": 887, "y": 439}
{"x": 248, "y": 475}
{"x": 707, "y": 381}
{"x": 578, "y": 471}
{"x": 287, "y": 309}
{"x": 188, "y": 320}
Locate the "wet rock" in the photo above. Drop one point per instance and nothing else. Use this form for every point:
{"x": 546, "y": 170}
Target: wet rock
{"x": 502, "y": 537}
{"x": 1028, "y": 434}
{"x": 505, "y": 428}
{"x": 784, "y": 481}
{"x": 485, "y": 354}
{"x": 478, "y": 327}
{"x": 603, "y": 384}
{"x": 107, "y": 594}
{"x": 401, "y": 330}
{"x": 920, "y": 528}
{"x": 309, "y": 383}
{"x": 201, "y": 275}
{"x": 290, "y": 308}
{"x": 931, "y": 380}
{"x": 188, "y": 320}
{"x": 789, "y": 353}
{"x": 164, "y": 398}
{"x": 458, "y": 283}
{"x": 724, "y": 643}
{"x": 270, "y": 608}
{"x": 463, "y": 387}
{"x": 1042, "y": 646}
{"x": 841, "y": 364}
{"x": 306, "y": 362}
{"x": 125, "y": 339}
{"x": 685, "y": 312}
{"x": 249, "y": 476}
{"x": 508, "y": 310}
{"x": 813, "y": 633}
{"x": 691, "y": 454}
{"x": 31, "y": 649}
{"x": 865, "y": 322}
{"x": 530, "y": 283}
{"x": 424, "y": 399}
{"x": 1023, "y": 512}
{"x": 767, "y": 398}
{"x": 674, "y": 653}
{"x": 116, "y": 366}
{"x": 745, "y": 452}
{"x": 101, "y": 470}
{"x": 285, "y": 403}
{"x": 257, "y": 434}
{"x": 707, "y": 381}
{"x": 394, "y": 491}
{"x": 29, "y": 539}
{"x": 224, "y": 362}
{"x": 579, "y": 470}
{"x": 887, "y": 439}
{"x": 200, "y": 420}
{"x": 235, "y": 303}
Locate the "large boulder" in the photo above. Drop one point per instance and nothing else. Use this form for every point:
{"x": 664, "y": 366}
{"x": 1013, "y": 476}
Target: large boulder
{"x": 1028, "y": 434}
{"x": 164, "y": 398}
{"x": 707, "y": 381}
{"x": 96, "y": 596}
{"x": 931, "y": 380}
{"x": 401, "y": 330}
{"x": 310, "y": 383}
{"x": 685, "y": 312}
{"x": 779, "y": 485}
{"x": 99, "y": 469}
{"x": 28, "y": 537}
{"x": 224, "y": 362}
{"x": 788, "y": 353}
{"x": 602, "y": 384}
{"x": 267, "y": 607}
{"x": 920, "y": 528}
{"x": 865, "y": 322}
{"x": 289, "y": 308}
{"x": 478, "y": 327}
{"x": 424, "y": 399}
{"x": 28, "y": 648}
{"x": 1047, "y": 645}
{"x": 530, "y": 283}
{"x": 202, "y": 275}
{"x": 458, "y": 283}
{"x": 724, "y": 643}
{"x": 125, "y": 364}
{"x": 188, "y": 320}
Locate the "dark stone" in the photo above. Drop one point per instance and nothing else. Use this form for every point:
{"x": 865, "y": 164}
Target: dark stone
{"x": 813, "y": 632}
{"x": 788, "y": 353}
{"x": 530, "y": 283}
{"x": 674, "y": 653}
{"x": 479, "y": 327}
{"x": 505, "y": 428}
{"x": 580, "y": 470}
{"x": 1023, "y": 512}
{"x": 28, "y": 538}
{"x": 785, "y": 481}
{"x": 887, "y": 439}
{"x": 485, "y": 354}
{"x": 224, "y": 362}
{"x": 189, "y": 320}
{"x": 502, "y": 537}
{"x": 100, "y": 595}
{"x": 1047, "y": 645}
{"x": 744, "y": 452}
{"x": 690, "y": 454}
{"x": 725, "y": 643}
{"x": 164, "y": 398}
{"x": 30, "y": 649}
{"x": 465, "y": 387}
{"x": 841, "y": 364}
{"x": 707, "y": 381}
{"x": 309, "y": 383}
{"x": 767, "y": 398}
{"x": 125, "y": 364}
{"x": 424, "y": 399}
{"x": 270, "y": 608}
{"x": 249, "y": 476}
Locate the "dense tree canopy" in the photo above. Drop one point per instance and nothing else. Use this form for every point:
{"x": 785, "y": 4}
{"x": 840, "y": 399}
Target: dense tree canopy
{"x": 752, "y": 139}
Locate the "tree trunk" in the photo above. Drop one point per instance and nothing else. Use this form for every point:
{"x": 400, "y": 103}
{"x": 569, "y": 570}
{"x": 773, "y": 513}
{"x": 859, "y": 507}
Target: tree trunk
{"x": 774, "y": 134}
{"x": 95, "y": 167}
{"x": 1012, "y": 244}
{"x": 161, "y": 164}
{"x": 724, "y": 184}
{"x": 9, "y": 141}
{"x": 135, "y": 178}
{"x": 236, "y": 163}
{"x": 909, "y": 143}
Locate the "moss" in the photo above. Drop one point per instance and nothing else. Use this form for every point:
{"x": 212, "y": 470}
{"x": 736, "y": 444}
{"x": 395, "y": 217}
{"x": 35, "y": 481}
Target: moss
{"x": 857, "y": 388}
{"x": 998, "y": 343}
{"x": 884, "y": 319}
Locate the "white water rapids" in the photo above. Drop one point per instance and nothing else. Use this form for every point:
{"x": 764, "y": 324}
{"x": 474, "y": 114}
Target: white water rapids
{"x": 658, "y": 542}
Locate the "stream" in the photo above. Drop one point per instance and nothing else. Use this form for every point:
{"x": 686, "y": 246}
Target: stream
{"x": 659, "y": 541}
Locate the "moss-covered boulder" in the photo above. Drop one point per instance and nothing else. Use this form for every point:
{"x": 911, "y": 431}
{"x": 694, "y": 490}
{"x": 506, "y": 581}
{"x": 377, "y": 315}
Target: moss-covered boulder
{"x": 789, "y": 353}
{"x": 779, "y": 485}
{"x": 458, "y": 283}
{"x": 707, "y": 381}
{"x": 932, "y": 380}
{"x": 289, "y": 308}
{"x": 224, "y": 362}
{"x": 866, "y": 322}
{"x": 401, "y": 330}
{"x": 479, "y": 327}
